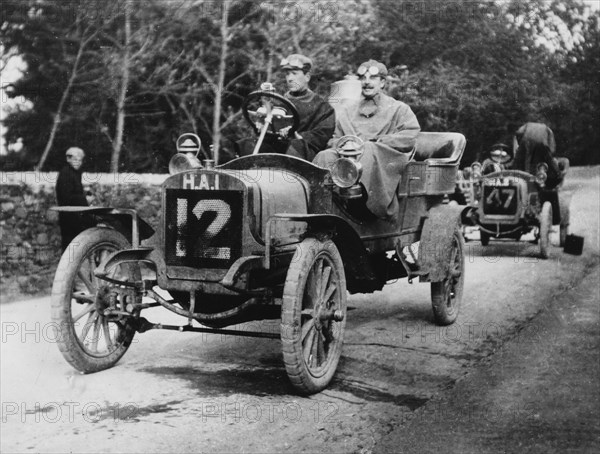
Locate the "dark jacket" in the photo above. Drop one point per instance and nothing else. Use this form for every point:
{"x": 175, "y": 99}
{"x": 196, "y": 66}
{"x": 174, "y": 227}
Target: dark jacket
{"x": 69, "y": 192}
{"x": 535, "y": 145}
{"x": 317, "y": 123}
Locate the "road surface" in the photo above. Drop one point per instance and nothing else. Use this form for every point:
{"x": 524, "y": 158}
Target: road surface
{"x": 184, "y": 392}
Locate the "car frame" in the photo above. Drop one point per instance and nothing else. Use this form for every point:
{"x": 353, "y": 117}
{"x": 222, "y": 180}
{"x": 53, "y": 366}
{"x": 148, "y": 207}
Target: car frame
{"x": 266, "y": 236}
{"x": 506, "y": 203}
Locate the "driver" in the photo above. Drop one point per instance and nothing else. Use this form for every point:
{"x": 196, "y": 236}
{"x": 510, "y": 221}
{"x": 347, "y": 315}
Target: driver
{"x": 499, "y": 157}
{"x": 389, "y": 129}
{"x": 317, "y": 117}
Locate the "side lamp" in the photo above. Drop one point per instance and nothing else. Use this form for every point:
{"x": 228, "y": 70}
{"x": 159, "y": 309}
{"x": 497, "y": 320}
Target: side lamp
{"x": 347, "y": 169}
{"x": 186, "y": 158}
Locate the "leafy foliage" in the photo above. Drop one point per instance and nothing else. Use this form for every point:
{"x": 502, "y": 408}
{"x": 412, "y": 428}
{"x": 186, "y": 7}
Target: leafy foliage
{"x": 478, "y": 67}
{"x": 485, "y": 68}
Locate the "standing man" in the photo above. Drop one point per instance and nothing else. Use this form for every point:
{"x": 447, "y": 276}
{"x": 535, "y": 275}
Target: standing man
{"x": 534, "y": 144}
{"x": 317, "y": 117}
{"x": 69, "y": 192}
{"x": 389, "y": 129}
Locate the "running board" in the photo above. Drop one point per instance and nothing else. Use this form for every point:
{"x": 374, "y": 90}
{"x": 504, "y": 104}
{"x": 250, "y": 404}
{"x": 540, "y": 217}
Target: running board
{"x": 145, "y": 325}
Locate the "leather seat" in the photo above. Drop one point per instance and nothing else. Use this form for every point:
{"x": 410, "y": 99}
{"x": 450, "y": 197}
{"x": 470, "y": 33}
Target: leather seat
{"x": 446, "y": 146}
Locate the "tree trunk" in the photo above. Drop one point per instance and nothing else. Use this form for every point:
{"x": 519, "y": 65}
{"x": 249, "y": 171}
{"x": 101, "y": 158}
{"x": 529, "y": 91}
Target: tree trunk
{"x": 220, "y": 80}
{"x": 120, "y": 127}
{"x": 270, "y": 65}
{"x": 61, "y": 105}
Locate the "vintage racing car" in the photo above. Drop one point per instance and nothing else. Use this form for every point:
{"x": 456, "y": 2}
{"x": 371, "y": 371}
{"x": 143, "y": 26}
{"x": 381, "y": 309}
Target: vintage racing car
{"x": 509, "y": 203}
{"x": 266, "y": 236}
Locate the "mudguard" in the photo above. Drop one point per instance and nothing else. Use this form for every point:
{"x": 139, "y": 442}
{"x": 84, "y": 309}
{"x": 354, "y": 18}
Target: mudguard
{"x": 436, "y": 241}
{"x": 360, "y": 276}
{"x": 124, "y": 220}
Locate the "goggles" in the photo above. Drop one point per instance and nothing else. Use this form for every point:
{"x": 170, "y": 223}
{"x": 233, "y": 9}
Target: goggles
{"x": 372, "y": 70}
{"x": 292, "y": 64}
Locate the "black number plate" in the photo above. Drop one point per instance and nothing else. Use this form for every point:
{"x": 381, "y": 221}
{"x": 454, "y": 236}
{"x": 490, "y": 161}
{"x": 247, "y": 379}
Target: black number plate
{"x": 500, "y": 200}
{"x": 203, "y": 228}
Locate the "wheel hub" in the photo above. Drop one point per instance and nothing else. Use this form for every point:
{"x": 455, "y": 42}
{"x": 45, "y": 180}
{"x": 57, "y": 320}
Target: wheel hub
{"x": 104, "y": 298}
{"x": 110, "y": 303}
{"x": 320, "y": 317}
{"x": 325, "y": 313}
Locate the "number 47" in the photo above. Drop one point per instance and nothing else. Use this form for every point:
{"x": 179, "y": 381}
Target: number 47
{"x": 497, "y": 195}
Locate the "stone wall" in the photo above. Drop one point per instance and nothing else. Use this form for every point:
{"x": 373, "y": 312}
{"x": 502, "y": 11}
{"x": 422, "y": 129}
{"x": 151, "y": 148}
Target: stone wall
{"x": 29, "y": 232}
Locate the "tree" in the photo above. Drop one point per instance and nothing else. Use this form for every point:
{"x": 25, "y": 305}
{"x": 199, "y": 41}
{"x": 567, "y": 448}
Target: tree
{"x": 83, "y": 35}
{"x": 570, "y": 34}
{"x": 220, "y": 83}
{"x": 575, "y": 114}
{"x": 147, "y": 74}
{"x": 59, "y": 42}
{"x": 482, "y": 68}
{"x": 124, "y": 83}
{"x": 191, "y": 69}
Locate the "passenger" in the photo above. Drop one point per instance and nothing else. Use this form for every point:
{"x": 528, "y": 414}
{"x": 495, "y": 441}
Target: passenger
{"x": 389, "y": 129}
{"x": 534, "y": 144}
{"x": 69, "y": 192}
{"x": 317, "y": 117}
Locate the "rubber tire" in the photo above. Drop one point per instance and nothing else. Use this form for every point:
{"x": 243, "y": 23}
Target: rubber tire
{"x": 565, "y": 221}
{"x": 545, "y": 227}
{"x": 307, "y": 379}
{"x": 484, "y": 237}
{"x": 446, "y": 308}
{"x": 68, "y": 342}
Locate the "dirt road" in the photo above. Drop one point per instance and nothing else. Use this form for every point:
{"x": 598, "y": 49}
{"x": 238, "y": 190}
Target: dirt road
{"x": 539, "y": 393}
{"x": 207, "y": 393}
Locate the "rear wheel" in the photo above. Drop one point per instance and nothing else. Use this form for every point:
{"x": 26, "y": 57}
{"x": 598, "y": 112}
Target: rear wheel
{"x": 313, "y": 315}
{"x": 564, "y": 224}
{"x": 90, "y": 338}
{"x": 446, "y": 296}
{"x": 545, "y": 227}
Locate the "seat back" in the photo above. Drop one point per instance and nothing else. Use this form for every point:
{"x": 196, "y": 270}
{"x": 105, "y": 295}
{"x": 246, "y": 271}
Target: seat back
{"x": 439, "y": 147}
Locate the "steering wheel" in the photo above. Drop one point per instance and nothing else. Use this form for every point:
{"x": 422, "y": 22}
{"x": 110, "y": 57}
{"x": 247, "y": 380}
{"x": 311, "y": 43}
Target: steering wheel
{"x": 269, "y": 112}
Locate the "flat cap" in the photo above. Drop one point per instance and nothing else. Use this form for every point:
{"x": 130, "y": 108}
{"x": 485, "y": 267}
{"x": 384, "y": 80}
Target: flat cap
{"x": 373, "y": 67}
{"x": 75, "y": 151}
{"x": 296, "y": 61}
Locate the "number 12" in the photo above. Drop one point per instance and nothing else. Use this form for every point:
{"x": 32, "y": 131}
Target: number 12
{"x": 219, "y": 207}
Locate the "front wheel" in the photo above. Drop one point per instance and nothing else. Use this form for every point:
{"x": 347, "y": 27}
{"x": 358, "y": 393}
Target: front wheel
{"x": 95, "y": 327}
{"x": 545, "y": 226}
{"x": 313, "y": 315}
{"x": 446, "y": 296}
